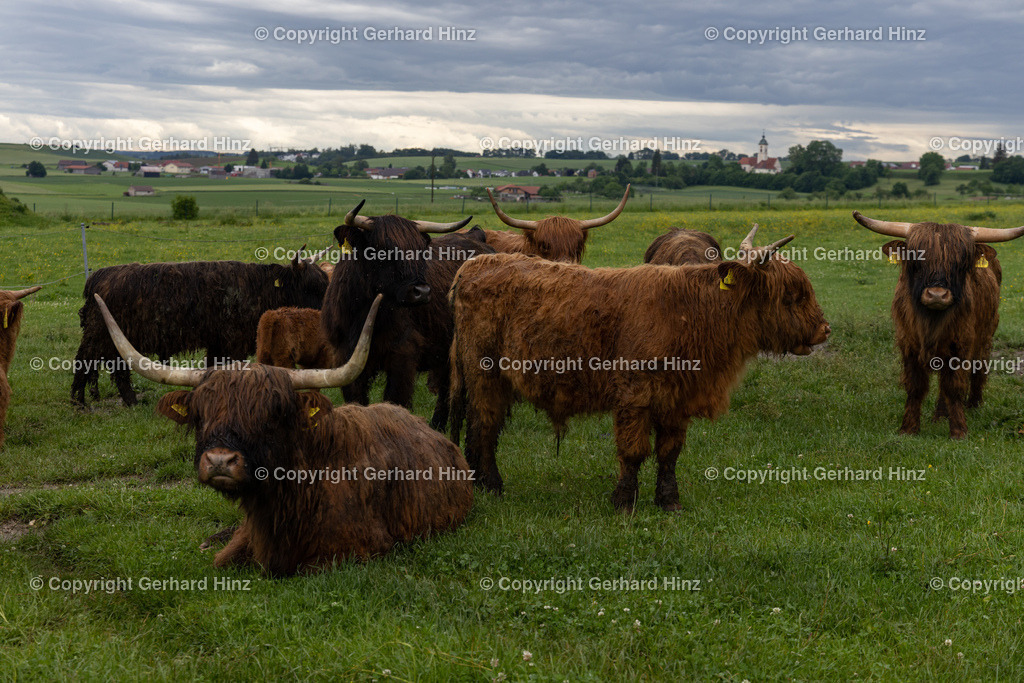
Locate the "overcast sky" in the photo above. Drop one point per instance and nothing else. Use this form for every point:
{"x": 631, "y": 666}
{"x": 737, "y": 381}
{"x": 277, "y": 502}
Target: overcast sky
{"x": 534, "y": 70}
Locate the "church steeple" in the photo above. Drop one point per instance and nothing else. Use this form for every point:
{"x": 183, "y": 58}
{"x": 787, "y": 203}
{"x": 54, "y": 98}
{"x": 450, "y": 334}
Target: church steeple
{"x": 762, "y": 149}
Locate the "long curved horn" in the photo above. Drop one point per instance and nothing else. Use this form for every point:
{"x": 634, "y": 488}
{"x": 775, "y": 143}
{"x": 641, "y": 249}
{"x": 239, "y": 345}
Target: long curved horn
{"x": 354, "y": 220}
{"x": 509, "y": 221}
{"x": 427, "y": 226}
{"x": 995, "y": 235}
{"x": 148, "y": 368}
{"x": 347, "y": 373}
{"x": 883, "y": 227}
{"x": 763, "y": 253}
{"x": 604, "y": 220}
{"x": 25, "y": 292}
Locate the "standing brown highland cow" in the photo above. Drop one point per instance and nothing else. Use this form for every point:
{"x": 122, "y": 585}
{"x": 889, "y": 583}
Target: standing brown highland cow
{"x": 945, "y": 310}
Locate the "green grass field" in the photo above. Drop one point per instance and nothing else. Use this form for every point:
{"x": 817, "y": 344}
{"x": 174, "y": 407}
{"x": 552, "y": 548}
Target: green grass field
{"x": 810, "y": 580}
{"x": 78, "y": 198}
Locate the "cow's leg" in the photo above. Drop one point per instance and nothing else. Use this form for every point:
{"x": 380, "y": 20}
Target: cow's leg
{"x": 237, "y": 551}
{"x": 442, "y": 380}
{"x": 633, "y": 438}
{"x": 401, "y": 380}
{"x": 668, "y": 442}
{"x": 953, "y": 385}
{"x": 359, "y": 390}
{"x": 122, "y": 378}
{"x": 941, "y": 411}
{"x": 915, "y": 380}
{"x": 979, "y": 377}
{"x": 222, "y": 536}
{"x": 486, "y": 403}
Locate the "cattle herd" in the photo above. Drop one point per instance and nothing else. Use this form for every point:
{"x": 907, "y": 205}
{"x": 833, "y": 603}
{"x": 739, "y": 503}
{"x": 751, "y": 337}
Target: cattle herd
{"x": 671, "y": 338}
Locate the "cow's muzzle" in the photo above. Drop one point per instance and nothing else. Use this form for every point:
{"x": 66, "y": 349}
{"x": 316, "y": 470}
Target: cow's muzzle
{"x": 223, "y": 469}
{"x": 820, "y": 337}
{"x": 936, "y": 298}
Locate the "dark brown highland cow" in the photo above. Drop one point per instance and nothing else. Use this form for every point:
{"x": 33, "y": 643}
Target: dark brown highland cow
{"x": 394, "y": 256}
{"x": 692, "y": 327}
{"x": 555, "y": 238}
{"x": 11, "y": 311}
{"x": 683, "y": 246}
{"x": 170, "y": 308}
{"x": 371, "y": 476}
{"x": 945, "y": 311}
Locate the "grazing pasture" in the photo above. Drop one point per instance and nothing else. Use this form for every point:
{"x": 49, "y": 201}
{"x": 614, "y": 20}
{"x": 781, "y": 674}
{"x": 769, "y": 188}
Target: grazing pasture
{"x": 777, "y": 578}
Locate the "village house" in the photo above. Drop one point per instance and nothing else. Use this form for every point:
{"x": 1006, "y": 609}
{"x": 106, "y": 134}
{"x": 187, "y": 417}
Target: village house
{"x": 386, "y": 173}
{"x": 140, "y": 191}
{"x": 517, "y": 193}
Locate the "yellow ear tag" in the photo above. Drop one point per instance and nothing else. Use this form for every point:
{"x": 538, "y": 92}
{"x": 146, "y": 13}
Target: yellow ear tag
{"x": 346, "y": 248}
{"x": 982, "y": 262}
{"x": 5, "y": 317}
{"x": 313, "y": 411}
{"x": 727, "y": 281}
{"x": 179, "y": 409}
{"x": 894, "y": 259}
{"x": 277, "y": 283}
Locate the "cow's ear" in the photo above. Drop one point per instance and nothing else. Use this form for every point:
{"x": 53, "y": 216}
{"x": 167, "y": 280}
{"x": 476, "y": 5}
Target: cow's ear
{"x": 896, "y": 250}
{"x": 314, "y": 407}
{"x": 10, "y": 313}
{"x": 983, "y": 255}
{"x": 734, "y": 275}
{"x": 174, "y": 405}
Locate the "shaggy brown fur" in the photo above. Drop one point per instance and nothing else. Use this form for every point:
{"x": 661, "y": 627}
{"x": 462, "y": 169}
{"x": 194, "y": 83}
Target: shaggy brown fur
{"x": 682, "y": 246}
{"x": 556, "y": 238}
{"x": 170, "y": 308}
{"x": 11, "y": 312}
{"x": 245, "y": 420}
{"x": 963, "y": 330}
{"x": 518, "y": 307}
{"x": 290, "y": 337}
{"x": 412, "y": 333}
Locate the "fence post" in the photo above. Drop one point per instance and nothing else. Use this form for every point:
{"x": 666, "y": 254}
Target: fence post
{"x": 85, "y": 251}
{"x": 329, "y": 205}
{"x": 709, "y": 201}
{"x": 463, "y": 204}
{"x": 652, "y": 201}
{"x": 111, "y": 210}
{"x": 257, "y": 207}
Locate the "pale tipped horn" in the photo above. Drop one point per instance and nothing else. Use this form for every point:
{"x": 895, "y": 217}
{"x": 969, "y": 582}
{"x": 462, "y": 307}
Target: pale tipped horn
{"x": 883, "y": 227}
{"x": 24, "y": 292}
{"x": 353, "y": 219}
{"x": 604, "y": 220}
{"x": 347, "y": 373}
{"x": 508, "y": 220}
{"x": 760, "y": 255}
{"x": 748, "y": 242}
{"x": 148, "y": 368}
{"x": 995, "y": 235}
{"x": 427, "y": 226}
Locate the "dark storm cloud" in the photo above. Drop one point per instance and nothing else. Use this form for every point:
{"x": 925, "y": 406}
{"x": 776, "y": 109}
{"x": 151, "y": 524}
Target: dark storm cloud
{"x": 964, "y": 69}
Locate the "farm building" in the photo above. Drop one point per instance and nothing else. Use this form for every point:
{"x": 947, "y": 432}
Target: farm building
{"x": 140, "y": 191}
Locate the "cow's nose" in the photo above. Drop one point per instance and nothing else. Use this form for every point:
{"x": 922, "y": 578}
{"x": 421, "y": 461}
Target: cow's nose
{"x": 220, "y": 459}
{"x": 937, "y": 298}
{"x": 419, "y": 294}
